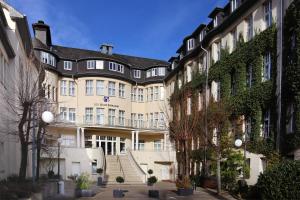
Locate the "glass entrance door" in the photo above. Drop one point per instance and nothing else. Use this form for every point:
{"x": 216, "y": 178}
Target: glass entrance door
{"x": 107, "y": 143}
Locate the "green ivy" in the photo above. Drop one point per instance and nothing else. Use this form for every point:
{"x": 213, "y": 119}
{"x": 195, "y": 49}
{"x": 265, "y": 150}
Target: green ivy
{"x": 250, "y": 102}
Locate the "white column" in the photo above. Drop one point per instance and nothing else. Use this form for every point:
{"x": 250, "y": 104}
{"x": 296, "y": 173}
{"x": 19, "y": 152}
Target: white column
{"x": 82, "y": 138}
{"x": 93, "y": 141}
{"x": 137, "y": 140}
{"x": 165, "y": 141}
{"x": 78, "y": 137}
{"x": 132, "y": 140}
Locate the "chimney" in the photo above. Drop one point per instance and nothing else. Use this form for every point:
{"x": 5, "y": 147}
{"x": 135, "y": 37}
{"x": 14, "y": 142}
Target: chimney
{"x": 106, "y": 49}
{"x": 42, "y": 32}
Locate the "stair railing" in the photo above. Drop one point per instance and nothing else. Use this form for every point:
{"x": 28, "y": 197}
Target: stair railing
{"x": 137, "y": 166}
{"x": 121, "y": 168}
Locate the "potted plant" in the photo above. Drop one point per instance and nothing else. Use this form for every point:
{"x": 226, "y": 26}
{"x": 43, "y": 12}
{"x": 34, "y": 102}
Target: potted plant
{"x": 184, "y": 187}
{"x": 151, "y": 181}
{"x": 119, "y": 193}
{"x": 100, "y": 180}
{"x": 82, "y": 186}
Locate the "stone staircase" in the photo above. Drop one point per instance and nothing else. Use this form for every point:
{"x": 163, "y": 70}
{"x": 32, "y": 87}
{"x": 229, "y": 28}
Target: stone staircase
{"x": 113, "y": 170}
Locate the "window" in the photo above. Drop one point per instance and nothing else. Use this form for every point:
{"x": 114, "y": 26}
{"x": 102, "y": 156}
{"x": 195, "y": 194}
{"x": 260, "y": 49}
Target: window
{"x": 200, "y": 101}
{"x": 121, "y": 117}
{"x": 88, "y": 115}
{"x": 111, "y": 116}
{"x": 67, "y": 65}
{"x": 71, "y": 88}
{"x": 140, "y": 95}
{"x": 99, "y": 87}
{"x": 290, "y": 127}
{"x": 89, "y": 87}
{"x": 88, "y": 141}
{"x": 234, "y": 38}
{"x": 48, "y": 59}
{"x": 111, "y": 88}
{"x": 63, "y": 113}
{"x": 133, "y": 120}
{"x": 148, "y": 73}
{"x": 266, "y": 124}
{"x": 268, "y": 13}
{"x": 162, "y": 93}
{"x": 100, "y": 116}
{"x": 91, "y": 64}
{"x": 157, "y": 145}
{"x": 161, "y": 119}
{"x": 249, "y": 27}
{"x": 68, "y": 140}
{"x": 218, "y": 50}
{"x": 247, "y": 128}
{"x": 249, "y": 76}
{"x": 216, "y": 21}
{"x": 147, "y": 95}
{"x": 136, "y": 73}
{"x": 140, "y": 120}
{"x": 161, "y": 71}
{"x": 151, "y": 93}
{"x": 201, "y": 36}
{"x": 122, "y": 90}
{"x": 116, "y": 67}
{"x": 142, "y": 145}
{"x": 155, "y": 119}
{"x": 189, "y": 106}
{"x": 133, "y": 93}
{"x": 151, "y": 120}
{"x": 233, "y": 83}
{"x": 267, "y": 67}
{"x": 234, "y": 4}
{"x": 72, "y": 115}
{"x": 188, "y": 73}
{"x": 63, "y": 88}
{"x": 191, "y": 44}
{"x": 156, "y": 93}
{"x": 94, "y": 167}
{"x": 53, "y": 93}
{"x": 154, "y": 71}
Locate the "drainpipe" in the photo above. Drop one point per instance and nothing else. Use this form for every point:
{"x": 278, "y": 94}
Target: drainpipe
{"x": 206, "y": 95}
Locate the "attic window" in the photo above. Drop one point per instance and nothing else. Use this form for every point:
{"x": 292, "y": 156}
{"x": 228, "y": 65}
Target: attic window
{"x": 136, "y": 73}
{"x": 216, "y": 21}
{"x": 234, "y": 4}
{"x": 190, "y": 44}
{"x": 201, "y": 36}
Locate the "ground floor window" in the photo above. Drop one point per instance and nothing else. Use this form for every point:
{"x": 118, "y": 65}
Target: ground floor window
{"x": 141, "y": 144}
{"x": 157, "y": 145}
{"x": 68, "y": 140}
{"x": 88, "y": 141}
{"x": 94, "y": 167}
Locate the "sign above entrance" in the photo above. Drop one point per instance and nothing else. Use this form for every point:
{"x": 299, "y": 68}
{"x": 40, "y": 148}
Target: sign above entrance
{"x": 106, "y": 105}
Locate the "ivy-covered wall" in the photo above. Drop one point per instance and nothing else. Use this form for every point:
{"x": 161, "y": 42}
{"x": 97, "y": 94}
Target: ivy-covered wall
{"x": 291, "y": 76}
{"x": 247, "y": 101}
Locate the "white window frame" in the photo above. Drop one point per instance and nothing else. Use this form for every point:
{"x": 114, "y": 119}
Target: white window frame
{"x": 88, "y": 115}
{"x": 250, "y": 32}
{"x": 68, "y": 65}
{"x": 189, "y": 106}
{"x": 113, "y": 66}
{"x": 100, "y": 117}
{"x": 161, "y": 71}
{"x": 156, "y": 93}
{"x": 234, "y": 38}
{"x": 267, "y": 66}
{"x": 137, "y": 73}
{"x": 140, "y": 120}
{"x": 72, "y": 88}
{"x": 63, "y": 87}
{"x": 162, "y": 93}
{"x": 148, "y": 73}
{"x": 91, "y": 64}
{"x": 111, "y": 117}
{"x": 216, "y": 21}
{"x": 141, "y": 95}
{"x": 100, "y": 87}
{"x": 190, "y": 44}
{"x": 63, "y": 113}
{"x": 266, "y": 124}
{"x": 122, "y": 117}
{"x": 268, "y": 13}
{"x": 122, "y": 90}
{"x": 133, "y": 93}
{"x": 89, "y": 87}
{"x": 72, "y": 114}
{"x": 157, "y": 145}
{"x": 111, "y": 88}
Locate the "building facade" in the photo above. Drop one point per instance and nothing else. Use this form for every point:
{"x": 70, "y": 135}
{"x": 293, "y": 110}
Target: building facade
{"x": 238, "y": 54}
{"x": 108, "y": 105}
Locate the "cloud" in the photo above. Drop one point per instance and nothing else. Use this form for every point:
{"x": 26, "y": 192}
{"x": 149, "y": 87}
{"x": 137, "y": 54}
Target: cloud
{"x": 66, "y": 29}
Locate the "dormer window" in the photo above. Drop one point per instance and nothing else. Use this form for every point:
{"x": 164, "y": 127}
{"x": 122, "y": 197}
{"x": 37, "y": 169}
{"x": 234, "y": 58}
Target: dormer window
{"x": 116, "y": 67}
{"x": 268, "y": 13}
{"x": 216, "y": 21}
{"x": 234, "y": 4}
{"x": 157, "y": 71}
{"x": 47, "y": 58}
{"x": 67, "y": 65}
{"x": 191, "y": 44}
{"x": 91, "y": 64}
{"x": 201, "y": 36}
{"x": 136, "y": 73}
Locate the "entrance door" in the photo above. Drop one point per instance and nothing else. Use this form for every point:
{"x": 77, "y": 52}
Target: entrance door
{"x": 165, "y": 175}
{"x": 107, "y": 143}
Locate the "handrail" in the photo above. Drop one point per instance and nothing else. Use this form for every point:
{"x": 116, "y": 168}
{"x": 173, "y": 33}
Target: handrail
{"x": 121, "y": 168}
{"x": 137, "y": 166}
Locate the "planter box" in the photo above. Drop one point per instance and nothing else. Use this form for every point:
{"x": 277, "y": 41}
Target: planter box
{"x": 84, "y": 193}
{"x": 153, "y": 193}
{"x": 210, "y": 182}
{"x": 37, "y": 196}
{"x": 185, "y": 192}
{"x": 118, "y": 194}
{"x": 99, "y": 181}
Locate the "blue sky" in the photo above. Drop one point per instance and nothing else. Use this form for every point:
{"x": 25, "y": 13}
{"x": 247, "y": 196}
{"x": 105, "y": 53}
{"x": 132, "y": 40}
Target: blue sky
{"x": 146, "y": 28}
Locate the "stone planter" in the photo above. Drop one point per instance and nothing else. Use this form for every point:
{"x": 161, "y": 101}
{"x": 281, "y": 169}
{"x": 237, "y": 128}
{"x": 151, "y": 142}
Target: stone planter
{"x": 84, "y": 193}
{"x": 99, "y": 181}
{"x": 37, "y": 196}
{"x": 153, "y": 194}
{"x": 118, "y": 194}
{"x": 185, "y": 191}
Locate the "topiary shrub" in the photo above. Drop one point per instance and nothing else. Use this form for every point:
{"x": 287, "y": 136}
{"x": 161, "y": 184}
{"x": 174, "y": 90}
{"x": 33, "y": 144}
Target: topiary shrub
{"x": 281, "y": 181}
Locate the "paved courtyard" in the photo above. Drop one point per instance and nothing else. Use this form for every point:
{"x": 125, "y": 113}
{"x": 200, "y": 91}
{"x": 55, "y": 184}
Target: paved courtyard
{"x": 167, "y": 191}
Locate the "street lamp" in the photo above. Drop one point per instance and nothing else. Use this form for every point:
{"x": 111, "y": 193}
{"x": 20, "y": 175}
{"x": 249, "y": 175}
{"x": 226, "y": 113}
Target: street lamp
{"x": 47, "y": 117}
{"x": 238, "y": 143}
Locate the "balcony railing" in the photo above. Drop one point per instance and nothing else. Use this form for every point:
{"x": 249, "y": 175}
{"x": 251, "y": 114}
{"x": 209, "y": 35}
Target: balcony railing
{"x": 115, "y": 122}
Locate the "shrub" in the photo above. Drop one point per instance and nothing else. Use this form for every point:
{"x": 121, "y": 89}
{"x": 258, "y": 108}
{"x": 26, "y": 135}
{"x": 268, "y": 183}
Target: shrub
{"x": 50, "y": 174}
{"x": 120, "y": 179}
{"x": 184, "y": 183}
{"x": 83, "y": 181}
{"x": 99, "y": 171}
{"x": 152, "y": 180}
{"x": 150, "y": 171}
{"x": 13, "y": 178}
{"x": 281, "y": 181}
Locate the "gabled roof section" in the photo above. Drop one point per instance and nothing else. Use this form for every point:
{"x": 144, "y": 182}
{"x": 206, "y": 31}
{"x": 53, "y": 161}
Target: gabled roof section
{"x": 3, "y": 36}
{"x": 23, "y": 28}
{"x": 215, "y": 12}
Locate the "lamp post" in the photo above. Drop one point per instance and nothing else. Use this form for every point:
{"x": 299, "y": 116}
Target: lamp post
{"x": 238, "y": 143}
